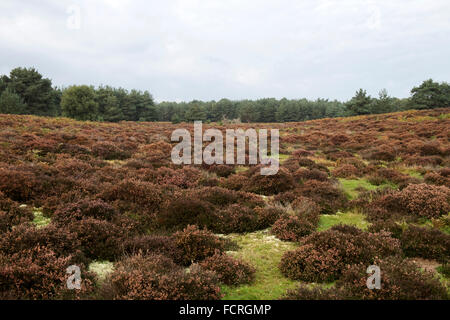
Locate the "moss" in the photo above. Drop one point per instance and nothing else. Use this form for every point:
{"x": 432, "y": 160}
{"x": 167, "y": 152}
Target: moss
{"x": 101, "y": 269}
{"x": 352, "y": 218}
{"x": 40, "y": 220}
{"x": 264, "y": 252}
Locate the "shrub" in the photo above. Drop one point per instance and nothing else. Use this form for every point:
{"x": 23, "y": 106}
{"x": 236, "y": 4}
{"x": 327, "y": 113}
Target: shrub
{"x": 97, "y": 209}
{"x": 382, "y": 152}
{"x": 301, "y": 153}
{"x": 391, "y": 226}
{"x": 235, "y": 218}
{"x": 430, "y": 149}
{"x": 309, "y": 264}
{"x": 195, "y": 245}
{"x": 38, "y": 273}
{"x": 144, "y": 194}
{"x": 303, "y": 220}
{"x": 12, "y": 214}
{"x": 100, "y": 240}
{"x": 306, "y": 208}
{"x": 184, "y": 211}
{"x": 436, "y": 179}
{"x": 221, "y": 170}
{"x": 324, "y": 255}
{"x": 234, "y": 182}
{"x": 425, "y": 200}
{"x": 426, "y": 243}
{"x": 304, "y": 292}
{"x": 424, "y": 161}
{"x": 270, "y": 184}
{"x": 60, "y": 240}
{"x": 267, "y": 216}
{"x": 16, "y": 184}
{"x": 151, "y": 244}
{"x": 313, "y": 174}
{"x": 444, "y": 269}
{"x": 401, "y": 280}
{"x": 346, "y": 171}
{"x": 155, "y": 277}
{"x": 284, "y": 198}
{"x": 326, "y": 195}
{"x": 109, "y": 151}
{"x": 229, "y": 270}
{"x": 292, "y": 228}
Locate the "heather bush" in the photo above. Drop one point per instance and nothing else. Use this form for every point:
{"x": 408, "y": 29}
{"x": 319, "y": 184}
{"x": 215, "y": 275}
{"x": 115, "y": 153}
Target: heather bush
{"x": 109, "y": 151}
{"x": 97, "y": 209}
{"x": 12, "y": 214}
{"x": 437, "y": 179}
{"x": 195, "y": 245}
{"x": 270, "y": 184}
{"x": 220, "y": 169}
{"x": 424, "y": 161}
{"x": 100, "y": 239}
{"x": 426, "y": 243}
{"x": 304, "y": 292}
{"x": 235, "y": 218}
{"x": 346, "y": 171}
{"x": 382, "y": 152}
{"x": 151, "y": 244}
{"x": 326, "y": 195}
{"x": 401, "y": 280}
{"x": 221, "y": 197}
{"x": 60, "y": 240}
{"x": 292, "y": 228}
{"x": 313, "y": 174}
{"x": 184, "y": 211}
{"x": 38, "y": 273}
{"x": 284, "y": 198}
{"x": 324, "y": 255}
{"x": 425, "y": 200}
{"x": 310, "y": 264}
{"x": 301, "y": 153}
{"x": 391, "y": 226}
{"x": 306, "y": 208}
{"x": 229, "y": 270}
{"x": 267, "y": 216}
{"x": 430, "y": 149}
{"x": 300, "y": 221}
{"x": 18, "y": 185}
{"x": 155, "y": 277}
{"x": 444, "y": 269}
{"x": 234, "y": 182}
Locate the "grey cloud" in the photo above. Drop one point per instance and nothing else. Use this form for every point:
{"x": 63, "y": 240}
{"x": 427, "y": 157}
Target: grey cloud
{"x": 192, "y": 49}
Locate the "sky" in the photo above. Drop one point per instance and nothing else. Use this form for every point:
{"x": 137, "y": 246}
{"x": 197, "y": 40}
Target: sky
{"x": 182, "y": 50}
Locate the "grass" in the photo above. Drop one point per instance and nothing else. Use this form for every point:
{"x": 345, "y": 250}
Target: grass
{"x": 351, "y": 186}
{"x": 39, "y": 219}
{"x": 352, "y": 218}
{"x": 413, "y": 173}
{"x": 101, "y": 269}
{"x": 264, "y": 252}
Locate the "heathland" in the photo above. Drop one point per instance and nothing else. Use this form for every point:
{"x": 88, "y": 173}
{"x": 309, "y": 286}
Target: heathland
{"x": 350, "y": 192}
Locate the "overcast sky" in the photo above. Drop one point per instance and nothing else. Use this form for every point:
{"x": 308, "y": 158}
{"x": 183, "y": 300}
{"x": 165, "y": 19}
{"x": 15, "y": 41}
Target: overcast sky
{"x": 194, "y": 49}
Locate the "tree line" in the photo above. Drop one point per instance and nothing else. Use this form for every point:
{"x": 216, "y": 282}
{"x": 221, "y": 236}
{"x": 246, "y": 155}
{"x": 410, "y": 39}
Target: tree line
{"x": 26, "y": 91}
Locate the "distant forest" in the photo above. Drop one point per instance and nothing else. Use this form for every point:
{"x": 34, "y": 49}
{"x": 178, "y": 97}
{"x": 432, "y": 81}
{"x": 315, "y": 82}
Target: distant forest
{"x": 26, "y": 91}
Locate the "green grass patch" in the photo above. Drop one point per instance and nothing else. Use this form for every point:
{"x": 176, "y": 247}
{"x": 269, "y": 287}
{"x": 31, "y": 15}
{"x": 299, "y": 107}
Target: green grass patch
{"x": 101, "y": 269}
{"x": 240, "y": 169}
{"x": 350, "y": 186}
{"x": 40, "y": 220}
{"x": 352, "y": 218}
{"x": 413, "y": 173}
{"x": 264, "y": 252}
